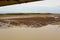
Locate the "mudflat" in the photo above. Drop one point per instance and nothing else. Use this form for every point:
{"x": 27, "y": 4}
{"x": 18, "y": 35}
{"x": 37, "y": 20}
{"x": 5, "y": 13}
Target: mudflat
{"x": 19, "y": 27}
{"x": 30, "y": 20}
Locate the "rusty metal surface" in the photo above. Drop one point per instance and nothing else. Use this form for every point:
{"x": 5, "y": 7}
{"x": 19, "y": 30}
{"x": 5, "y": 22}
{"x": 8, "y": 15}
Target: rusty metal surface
{"x": 11, "y": 2}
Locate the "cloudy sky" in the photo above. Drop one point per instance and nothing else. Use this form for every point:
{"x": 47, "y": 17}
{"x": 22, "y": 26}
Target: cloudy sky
{"x": 46, "y": 6}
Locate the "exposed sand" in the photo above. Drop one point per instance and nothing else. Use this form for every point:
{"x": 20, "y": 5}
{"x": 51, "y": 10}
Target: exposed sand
{"x": 26, "y": 16}
{"x": 49, "y": 32}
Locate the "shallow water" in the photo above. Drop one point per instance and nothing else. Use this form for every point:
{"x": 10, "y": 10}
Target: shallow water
{"x": 49, "y": 32}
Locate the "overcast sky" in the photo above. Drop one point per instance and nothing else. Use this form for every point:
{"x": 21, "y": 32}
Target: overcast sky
{"x": 46, "y": 6}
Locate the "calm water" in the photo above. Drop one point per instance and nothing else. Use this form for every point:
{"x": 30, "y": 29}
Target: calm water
{"x": 50, "y": 32}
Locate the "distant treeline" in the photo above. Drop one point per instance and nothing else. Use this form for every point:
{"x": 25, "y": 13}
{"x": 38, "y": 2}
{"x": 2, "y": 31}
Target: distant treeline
{"x": 24, "y": 13}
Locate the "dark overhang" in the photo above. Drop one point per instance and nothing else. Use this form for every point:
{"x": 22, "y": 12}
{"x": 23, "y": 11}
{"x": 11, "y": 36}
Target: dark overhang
{"x": 11, "y": 2}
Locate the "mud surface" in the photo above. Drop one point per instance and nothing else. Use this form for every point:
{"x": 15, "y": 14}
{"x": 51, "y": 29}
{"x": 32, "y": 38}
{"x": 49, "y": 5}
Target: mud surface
{"x": 32, "y": 21}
